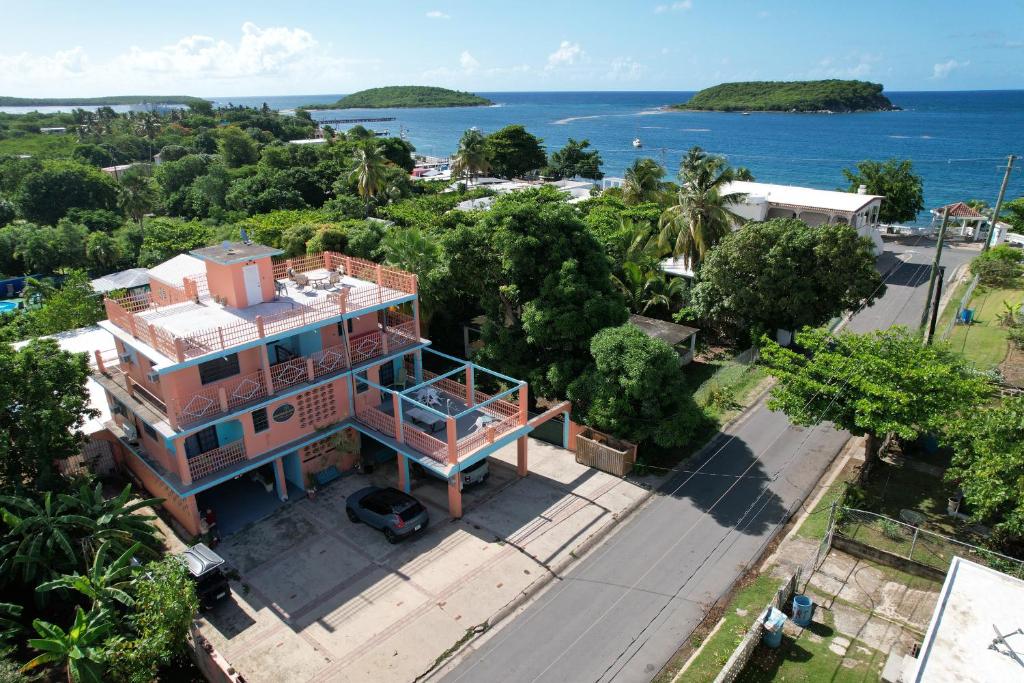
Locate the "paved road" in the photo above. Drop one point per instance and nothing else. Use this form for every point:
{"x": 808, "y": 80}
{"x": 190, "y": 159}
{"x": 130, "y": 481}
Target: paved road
{"x": 623, "y": 611}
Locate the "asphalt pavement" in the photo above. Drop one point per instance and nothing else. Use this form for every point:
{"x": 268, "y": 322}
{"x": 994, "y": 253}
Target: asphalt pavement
{"x": 624, "y": 609}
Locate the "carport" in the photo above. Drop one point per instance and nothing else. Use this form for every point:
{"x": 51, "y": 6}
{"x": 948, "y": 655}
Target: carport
{"x": 246, "y": 498}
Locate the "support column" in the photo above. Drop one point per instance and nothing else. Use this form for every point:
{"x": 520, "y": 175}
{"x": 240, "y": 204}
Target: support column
{"x": 521, "y": 447}
{"x": 279, "y": 480}
{"x": 265, "y": 363}
{"x": 470, "y": 386}
{"x": 403, "y": 472}
{"x": 565, "y": 429}
{"x": 417, "y": 364}
{"x": 454, "y": 497}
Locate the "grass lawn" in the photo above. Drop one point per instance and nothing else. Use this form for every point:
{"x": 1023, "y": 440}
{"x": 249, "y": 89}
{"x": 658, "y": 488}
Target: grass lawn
{"x": 984, "y": 342}
{"x": 808, "y": 658}
{"x": 746, "y": 605}
{"x": 39, "y": 145}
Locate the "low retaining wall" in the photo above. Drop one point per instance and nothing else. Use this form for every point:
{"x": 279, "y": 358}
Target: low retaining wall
{"x": 214, "y": 667}
{"x": 867, "y": 552}
{"x": 741, "y": 655}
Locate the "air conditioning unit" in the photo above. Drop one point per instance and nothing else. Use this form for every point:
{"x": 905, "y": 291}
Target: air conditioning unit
{"x": 125, "y": 358}
{"x": 117, "y": 410}
{"x": 153, "y": 377}
{"x": 131, "y": 433}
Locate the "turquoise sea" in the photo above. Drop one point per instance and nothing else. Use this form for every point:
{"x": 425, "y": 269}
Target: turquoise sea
{"x": 958, "y": 141}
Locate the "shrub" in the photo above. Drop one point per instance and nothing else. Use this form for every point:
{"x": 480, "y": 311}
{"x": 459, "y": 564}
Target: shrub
{"x": 999, "y": 266}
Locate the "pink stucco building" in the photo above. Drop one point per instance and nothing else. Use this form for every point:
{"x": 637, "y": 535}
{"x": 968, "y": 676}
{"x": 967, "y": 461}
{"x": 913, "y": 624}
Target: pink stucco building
{"x": 243, "y": 377}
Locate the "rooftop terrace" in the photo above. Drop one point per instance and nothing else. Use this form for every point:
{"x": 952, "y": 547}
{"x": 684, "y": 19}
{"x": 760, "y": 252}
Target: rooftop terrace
{"x": 311, "y": 289}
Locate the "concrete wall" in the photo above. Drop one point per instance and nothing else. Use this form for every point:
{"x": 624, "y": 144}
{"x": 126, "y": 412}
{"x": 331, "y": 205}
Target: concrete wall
{"x": 228, "y": 282}
{"x": 858, "y": 549}
{"x": 185, "y": 511}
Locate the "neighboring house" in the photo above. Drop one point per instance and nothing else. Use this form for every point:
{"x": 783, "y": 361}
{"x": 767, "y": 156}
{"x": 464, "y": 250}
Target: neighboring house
{"x": 976, "y": 634}
{"x": 576, "y": 189}
{"x": 764, "y": 201}
{"x": 963, "y": 220}
{"x": 272, "y": 368}
{"x": 681, "y": 338}
{"x": 133, "y": 280}
{"x": 116, "y": 171}
{"x": 53, "y": 130}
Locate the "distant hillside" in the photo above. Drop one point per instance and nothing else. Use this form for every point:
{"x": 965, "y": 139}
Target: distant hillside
{"x": 96, "y": 101}
{"x": 405, "y": 97}
{"x": 798, "y": 96}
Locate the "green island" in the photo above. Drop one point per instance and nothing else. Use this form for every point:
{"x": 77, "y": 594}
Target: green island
{"x": 96, "y": 101}
{"x": 833, "y": 95}
{"x": 405, "y": 97}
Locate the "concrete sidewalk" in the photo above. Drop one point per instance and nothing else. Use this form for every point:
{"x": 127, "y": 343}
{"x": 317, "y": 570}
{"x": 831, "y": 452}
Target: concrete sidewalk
{"x": 319, "y": 598}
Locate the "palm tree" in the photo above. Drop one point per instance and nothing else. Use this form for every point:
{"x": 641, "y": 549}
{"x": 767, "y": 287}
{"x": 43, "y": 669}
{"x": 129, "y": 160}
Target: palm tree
{"x": 78, "y": 649}
{"x": 471, "y": 158}
{"x": 643, "y": 182}
{"x": 42, "y": 538}
{"x": 115, "y": 520}
{"x": 368, "y": 171}
{"x": 104, "y": 584}
{"x": 135, "y": 195}
{"x": 702, "y": 214}
{"x": 418, "y": 252}
{"x": 36, "y": 292}
{"x": 647, "y": 289}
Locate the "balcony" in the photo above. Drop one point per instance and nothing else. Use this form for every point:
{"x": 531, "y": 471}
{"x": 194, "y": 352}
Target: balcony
{"x": 218, "y": 459}
{"x": 237, "y": 392}
{"x": 311, "y": 289}
{"x": 443, "y": 418}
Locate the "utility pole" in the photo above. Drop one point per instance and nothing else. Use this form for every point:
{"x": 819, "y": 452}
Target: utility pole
{"x": 999, "y": 202}
{"x": 935, "y": 271}
{"x": 936, "y": 302}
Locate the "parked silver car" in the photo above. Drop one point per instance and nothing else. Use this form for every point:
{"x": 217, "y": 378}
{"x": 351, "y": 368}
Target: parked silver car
{"x": 396, "y": 513}
{"x": 477, "y": 473}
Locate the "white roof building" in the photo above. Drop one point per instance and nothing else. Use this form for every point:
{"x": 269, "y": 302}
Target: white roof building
{"x": 133, "y": 278}
{"x": 976, "y": 634}
{"x": 764, "y": 201}
{"x": 174, "y": 271}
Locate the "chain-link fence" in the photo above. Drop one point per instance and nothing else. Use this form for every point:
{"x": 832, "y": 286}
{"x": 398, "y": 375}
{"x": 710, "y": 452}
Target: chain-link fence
{"x": 912, "y": 542}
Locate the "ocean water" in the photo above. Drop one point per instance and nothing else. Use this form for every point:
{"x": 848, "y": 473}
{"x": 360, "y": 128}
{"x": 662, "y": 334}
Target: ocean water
{"x": 958, "y": 141}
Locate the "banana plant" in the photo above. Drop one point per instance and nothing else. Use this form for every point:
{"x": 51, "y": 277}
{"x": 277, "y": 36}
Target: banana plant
{"x": 78, "y": 650}
{"x": 104, "y": 584}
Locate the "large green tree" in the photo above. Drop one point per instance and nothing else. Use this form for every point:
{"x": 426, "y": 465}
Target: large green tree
{"x": 635, "y": 390}
{"x": 576, "y": 159}
{"x": 45, "y": 403}
{"x": 1013, "y": 213}
{"x": 784, "y": 274}
{"x": 514, "y": 152}
{"x": 544, "y": 284}
{"x": 988, "y": 464}
{"x": 702, "y": 214}
{"x": 237, "y": 148}
{"x": 75, "y": 304}
{"x": 872, "y": 384}
{"x": 46, "y": 195}
{"x": 896, "y": 180}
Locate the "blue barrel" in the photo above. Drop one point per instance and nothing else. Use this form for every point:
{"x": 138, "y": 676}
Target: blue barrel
{"x": 773, "y": 623}
{"x": 803, "y": 608}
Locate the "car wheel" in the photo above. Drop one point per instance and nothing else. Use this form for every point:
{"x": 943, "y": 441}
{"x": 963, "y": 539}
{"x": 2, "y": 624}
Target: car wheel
{"x": 390, "y": 536}
{"x": 352, "y": 516}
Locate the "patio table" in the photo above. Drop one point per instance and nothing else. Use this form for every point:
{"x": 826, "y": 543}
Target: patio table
{"x": 426, "y": 419}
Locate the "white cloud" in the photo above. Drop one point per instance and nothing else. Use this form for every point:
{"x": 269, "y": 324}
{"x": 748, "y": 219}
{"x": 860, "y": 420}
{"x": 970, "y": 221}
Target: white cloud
{"x": 942, "y": 70}
{"x": 437, "y": 14}
{"x": 278, "y": 57}
{"x": 625, "y": 69}
{"x": 567, "y": 54}
{"x": 468, "y": 62}
{"x": 674, "y": 7}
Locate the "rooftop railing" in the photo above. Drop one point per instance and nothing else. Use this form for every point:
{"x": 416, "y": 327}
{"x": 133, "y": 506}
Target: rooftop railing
{"x": 384, "y": 285}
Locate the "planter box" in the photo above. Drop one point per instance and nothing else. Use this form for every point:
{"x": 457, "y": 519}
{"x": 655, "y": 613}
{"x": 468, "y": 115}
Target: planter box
{"x": 605, "y": 452}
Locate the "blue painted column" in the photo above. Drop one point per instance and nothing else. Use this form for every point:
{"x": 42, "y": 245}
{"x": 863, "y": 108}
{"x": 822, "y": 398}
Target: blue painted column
{"x": 565, "y": 430}
{"x": 418, "y": 365}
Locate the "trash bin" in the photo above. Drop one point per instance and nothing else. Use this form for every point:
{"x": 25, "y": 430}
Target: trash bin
{"x": 967, "y": 316}
{"x": 774, "y": 620}
{"x": 803, "y": 608}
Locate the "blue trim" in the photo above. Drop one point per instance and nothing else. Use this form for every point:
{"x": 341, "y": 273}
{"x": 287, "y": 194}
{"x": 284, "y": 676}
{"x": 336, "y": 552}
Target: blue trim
{"x": 434, "y": 379}
{"x": 486, "y": 451}
{"x": 463, "y": 361}
{"x": 333, "y": 320}
{"x": 279, "y": 481}
{"x": 565, "y": 430}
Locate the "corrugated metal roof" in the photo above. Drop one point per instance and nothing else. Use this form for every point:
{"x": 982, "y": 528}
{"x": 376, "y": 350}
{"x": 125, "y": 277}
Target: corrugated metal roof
{"x": 125, "y": 279}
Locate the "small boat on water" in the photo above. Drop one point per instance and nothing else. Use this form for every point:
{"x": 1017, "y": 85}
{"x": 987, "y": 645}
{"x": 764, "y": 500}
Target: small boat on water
{"x": 746, "y": 113}
{"x": 637, "y": 143}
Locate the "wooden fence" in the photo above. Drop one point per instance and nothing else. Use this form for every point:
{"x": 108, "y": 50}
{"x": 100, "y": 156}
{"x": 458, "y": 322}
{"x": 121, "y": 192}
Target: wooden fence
{"x": 606, "y": 453}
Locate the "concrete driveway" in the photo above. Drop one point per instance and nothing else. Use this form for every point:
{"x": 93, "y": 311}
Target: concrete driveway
{"x": 319, "y": 598}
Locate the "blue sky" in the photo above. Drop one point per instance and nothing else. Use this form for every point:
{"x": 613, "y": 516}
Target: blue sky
{"x": 310, "y": 47}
